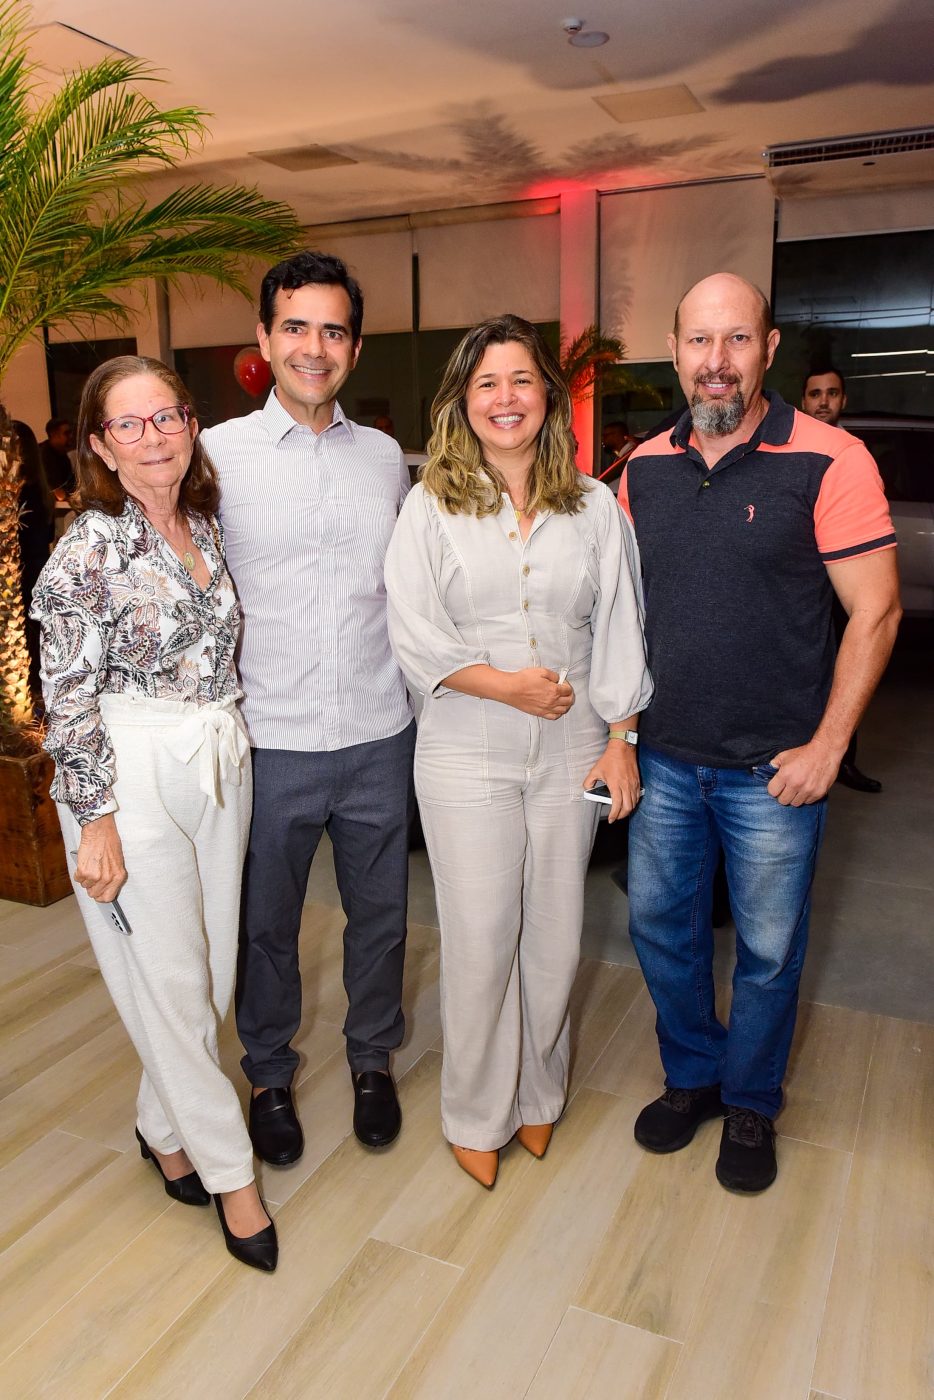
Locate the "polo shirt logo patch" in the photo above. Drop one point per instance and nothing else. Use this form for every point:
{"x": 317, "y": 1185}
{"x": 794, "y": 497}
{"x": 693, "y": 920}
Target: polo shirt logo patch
{"x": 751, "y": 514}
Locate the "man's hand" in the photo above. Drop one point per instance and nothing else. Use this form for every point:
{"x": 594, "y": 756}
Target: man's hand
{"x": 805, "y": 774}
{"x": 100, "y": 866}
{"x": 536, "y": 691}
{"x": 618, "y": 768}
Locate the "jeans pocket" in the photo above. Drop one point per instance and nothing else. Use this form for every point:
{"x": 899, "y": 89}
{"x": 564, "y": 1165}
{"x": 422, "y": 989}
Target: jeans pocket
{"x": 765, "y": 772}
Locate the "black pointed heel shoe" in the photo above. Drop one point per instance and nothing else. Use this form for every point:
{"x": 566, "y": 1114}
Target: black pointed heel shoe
{"x": 260, "y": 1251}
{"x": 187, "y": 1189}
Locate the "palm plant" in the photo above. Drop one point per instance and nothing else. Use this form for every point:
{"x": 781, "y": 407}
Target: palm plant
{"x": 76, "y": 230}
{"x": 592, "y": 363}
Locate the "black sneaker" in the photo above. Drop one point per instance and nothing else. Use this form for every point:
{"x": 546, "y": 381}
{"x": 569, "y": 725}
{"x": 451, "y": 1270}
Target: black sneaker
{"x": 747, "y": 1151}
{"x": 671, "y": 1121}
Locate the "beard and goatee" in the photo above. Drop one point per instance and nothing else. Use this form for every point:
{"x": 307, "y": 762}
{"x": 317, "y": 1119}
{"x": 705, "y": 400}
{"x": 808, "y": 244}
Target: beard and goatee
{"x": 718, "y": 417}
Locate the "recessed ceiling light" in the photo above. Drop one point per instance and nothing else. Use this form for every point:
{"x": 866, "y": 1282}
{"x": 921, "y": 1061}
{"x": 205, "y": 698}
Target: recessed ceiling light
{"x": 589, "y": 39}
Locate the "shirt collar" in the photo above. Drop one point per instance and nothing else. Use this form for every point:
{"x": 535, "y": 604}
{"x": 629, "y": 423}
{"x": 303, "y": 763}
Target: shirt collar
{"x": 278, "y": 421}
{"x": 776, "y": 427}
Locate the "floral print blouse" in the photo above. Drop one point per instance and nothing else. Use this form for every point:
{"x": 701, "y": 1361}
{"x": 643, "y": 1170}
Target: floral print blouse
{"x": 121, "y": 615}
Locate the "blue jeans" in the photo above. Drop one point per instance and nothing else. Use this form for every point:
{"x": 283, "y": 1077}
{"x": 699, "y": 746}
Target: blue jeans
{"x": 675, "y": 836}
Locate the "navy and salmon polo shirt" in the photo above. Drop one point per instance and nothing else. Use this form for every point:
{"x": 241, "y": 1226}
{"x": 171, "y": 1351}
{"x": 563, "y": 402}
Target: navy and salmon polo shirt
{"x": 737, "y": 595}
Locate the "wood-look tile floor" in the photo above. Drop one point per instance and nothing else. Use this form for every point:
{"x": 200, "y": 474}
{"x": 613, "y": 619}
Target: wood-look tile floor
{"x": 599, "y": 1272}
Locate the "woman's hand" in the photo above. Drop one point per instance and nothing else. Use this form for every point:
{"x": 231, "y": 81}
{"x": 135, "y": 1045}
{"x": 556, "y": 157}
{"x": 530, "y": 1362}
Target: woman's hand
{"x": 536, "y": 691}
{"x": 100, "y": 866}
{"x": 618, "y": 768}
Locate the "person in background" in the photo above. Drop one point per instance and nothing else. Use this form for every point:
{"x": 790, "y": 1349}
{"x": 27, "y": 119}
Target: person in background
{"x": 749, "y": 517}
{"x": 139, "y": 628}
{"x": 384, "y": 424}
{"x": 823, "y": 396}
{"x": 308, "y": 503}
{"x": 514, "y": 611}
{"x": 617, "y": 441}
{"x": 56, "y": 461}
{"x": 36, "y": 533}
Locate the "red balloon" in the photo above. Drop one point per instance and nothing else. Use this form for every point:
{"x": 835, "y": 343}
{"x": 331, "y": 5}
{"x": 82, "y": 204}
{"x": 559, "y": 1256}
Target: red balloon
{"x": 252, "y": 372}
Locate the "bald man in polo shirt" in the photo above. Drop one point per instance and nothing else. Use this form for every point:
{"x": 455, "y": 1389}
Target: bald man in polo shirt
{"x": 750, "y": 518}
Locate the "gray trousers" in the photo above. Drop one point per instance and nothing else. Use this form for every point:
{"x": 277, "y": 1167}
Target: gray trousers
{"x": 362, "y": 797}
{"x": 509, "y": 838}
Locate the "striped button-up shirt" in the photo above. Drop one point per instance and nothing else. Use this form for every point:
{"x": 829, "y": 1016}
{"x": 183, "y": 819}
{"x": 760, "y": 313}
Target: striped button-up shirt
{"x": 307, "y": 519}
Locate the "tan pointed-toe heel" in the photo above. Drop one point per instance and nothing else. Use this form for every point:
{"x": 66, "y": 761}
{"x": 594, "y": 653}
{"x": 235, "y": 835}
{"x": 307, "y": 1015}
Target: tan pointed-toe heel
{"x": 482, "y": 1166}
{"x": 535, "y": 1137}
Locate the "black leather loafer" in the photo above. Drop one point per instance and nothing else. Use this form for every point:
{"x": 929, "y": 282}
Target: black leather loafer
{"x": 275, "y": 1131}
{"x": 187, "y": 1189}
{"x": 377, "y": 1117}
{"x": 851, "y": 777}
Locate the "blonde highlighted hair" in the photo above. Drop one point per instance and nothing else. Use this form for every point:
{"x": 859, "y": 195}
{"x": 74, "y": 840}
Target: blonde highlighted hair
{"x": 455, "y": 471}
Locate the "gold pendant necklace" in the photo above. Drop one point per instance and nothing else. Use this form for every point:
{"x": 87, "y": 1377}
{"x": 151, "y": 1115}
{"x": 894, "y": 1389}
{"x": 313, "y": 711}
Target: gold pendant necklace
{"x": 188, "y": 559}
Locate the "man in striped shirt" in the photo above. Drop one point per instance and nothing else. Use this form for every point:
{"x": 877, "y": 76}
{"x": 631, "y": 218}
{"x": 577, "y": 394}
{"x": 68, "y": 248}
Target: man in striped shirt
{"x": 308, "y": 503}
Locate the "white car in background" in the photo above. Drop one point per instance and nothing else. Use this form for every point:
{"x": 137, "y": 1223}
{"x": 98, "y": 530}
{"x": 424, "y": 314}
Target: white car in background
{"x": 904, "y": 451}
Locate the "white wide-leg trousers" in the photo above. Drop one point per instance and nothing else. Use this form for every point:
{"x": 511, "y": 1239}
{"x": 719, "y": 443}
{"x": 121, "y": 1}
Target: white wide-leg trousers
{"x": 183, "y": 789}
{"x": 509, "y": 839}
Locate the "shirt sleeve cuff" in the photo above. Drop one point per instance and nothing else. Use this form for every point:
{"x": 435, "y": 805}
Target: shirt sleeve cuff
{"x": 438, "y": 689}
{"x": 106, "y": 803}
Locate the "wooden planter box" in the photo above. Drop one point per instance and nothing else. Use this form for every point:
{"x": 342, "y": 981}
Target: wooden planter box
{"x": 32, "y": 853}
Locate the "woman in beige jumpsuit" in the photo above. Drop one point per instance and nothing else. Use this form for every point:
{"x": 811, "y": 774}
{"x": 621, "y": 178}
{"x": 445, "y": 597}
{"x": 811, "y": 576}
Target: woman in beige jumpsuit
{"x": 514, "y": 611}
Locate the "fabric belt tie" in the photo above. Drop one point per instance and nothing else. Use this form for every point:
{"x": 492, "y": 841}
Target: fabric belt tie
{"x": 220, "y": 744}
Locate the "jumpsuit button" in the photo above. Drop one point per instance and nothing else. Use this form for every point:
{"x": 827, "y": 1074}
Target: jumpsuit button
{"x": 533, "y": 642}
{"x": 526, "y": 604}
{"x": 513, "y": 535}
{"x": 526, "y": 569}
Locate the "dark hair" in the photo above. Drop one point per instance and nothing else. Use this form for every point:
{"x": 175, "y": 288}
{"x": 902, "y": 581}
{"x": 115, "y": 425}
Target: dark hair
{"x": 617, "y": 423}
{"x": 819, "y": 370}
{"x": 310, "y": 269}
{"x": 455, "y": 471}
{"x": 100, "y": 488}
{"x": 54, "y": 423}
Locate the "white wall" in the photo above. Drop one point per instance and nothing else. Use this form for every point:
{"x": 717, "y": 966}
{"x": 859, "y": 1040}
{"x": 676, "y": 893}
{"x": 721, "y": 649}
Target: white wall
{"x": 474, "y": 270}
{"x": 655, "y": 243}
{"x": 839, "y": 215}
{"x": 25, "y": 388}
{"x": 203, "y": 314}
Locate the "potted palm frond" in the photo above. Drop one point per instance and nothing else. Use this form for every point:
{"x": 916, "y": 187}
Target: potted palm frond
{"x": 592, "y": 364}
{"x": 77, "y": 230}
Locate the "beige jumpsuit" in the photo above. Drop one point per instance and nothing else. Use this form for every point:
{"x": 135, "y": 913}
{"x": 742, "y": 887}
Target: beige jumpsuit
{"x": 508, "y": 833}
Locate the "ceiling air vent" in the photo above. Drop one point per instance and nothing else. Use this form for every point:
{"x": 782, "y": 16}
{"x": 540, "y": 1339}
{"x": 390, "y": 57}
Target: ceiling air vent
{"x": 852, "y": 164}
{"x": 865, "y": 147}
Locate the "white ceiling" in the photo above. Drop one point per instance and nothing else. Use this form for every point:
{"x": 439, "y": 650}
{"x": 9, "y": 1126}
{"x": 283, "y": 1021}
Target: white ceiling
{"x": 461, "y": 102}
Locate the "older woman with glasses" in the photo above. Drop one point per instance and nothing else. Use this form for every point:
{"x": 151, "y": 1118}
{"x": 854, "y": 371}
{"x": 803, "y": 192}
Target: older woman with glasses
{"x": 139, "y": 626}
